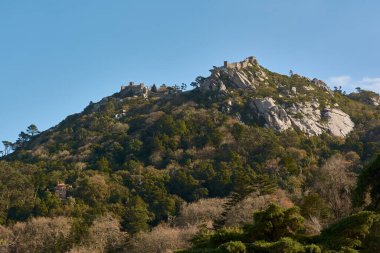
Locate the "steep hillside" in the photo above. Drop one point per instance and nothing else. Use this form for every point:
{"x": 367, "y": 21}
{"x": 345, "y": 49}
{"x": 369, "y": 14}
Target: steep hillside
{"x": 147, "y": 150}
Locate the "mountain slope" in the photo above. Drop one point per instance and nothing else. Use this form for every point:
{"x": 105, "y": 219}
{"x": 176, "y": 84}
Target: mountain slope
{"x": 154, "y": 149}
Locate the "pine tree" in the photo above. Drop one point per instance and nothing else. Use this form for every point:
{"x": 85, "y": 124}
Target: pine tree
{"x": 262, "y": 185}
{"x": 32, "y": 130}
{"x": 138, "y": 216}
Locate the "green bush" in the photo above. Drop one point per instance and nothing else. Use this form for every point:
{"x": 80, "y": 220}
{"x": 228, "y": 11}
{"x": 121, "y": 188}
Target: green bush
{"x": 349, "y": 232}
{"x": 312, "y": 248}
{"x": 209, "y": 239}
{"x": 284, "y": 245}
{"x": 275, "y": 222}
{"x": 233, "y": 247}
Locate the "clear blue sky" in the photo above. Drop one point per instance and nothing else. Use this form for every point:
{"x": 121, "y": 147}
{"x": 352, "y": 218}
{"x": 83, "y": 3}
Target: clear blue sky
{"x": 57, "y": 56}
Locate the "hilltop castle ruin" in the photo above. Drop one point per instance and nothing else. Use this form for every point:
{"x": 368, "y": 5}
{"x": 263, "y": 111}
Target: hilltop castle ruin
{"x": 133, "y": 90}
{"x": 241, "y": 64}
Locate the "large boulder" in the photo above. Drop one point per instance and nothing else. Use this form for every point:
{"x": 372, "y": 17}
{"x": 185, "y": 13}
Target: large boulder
{"x": 338, "y": 123}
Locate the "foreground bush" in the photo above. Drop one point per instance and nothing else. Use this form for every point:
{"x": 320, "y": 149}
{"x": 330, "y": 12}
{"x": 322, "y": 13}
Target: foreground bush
{"x": 278, "y": 230}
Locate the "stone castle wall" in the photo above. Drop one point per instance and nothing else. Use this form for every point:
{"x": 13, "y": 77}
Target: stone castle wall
{"x": 242, "y": 64}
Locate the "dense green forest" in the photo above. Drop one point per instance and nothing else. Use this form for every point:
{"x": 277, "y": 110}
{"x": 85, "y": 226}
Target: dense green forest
{"x": 131, "y": 165}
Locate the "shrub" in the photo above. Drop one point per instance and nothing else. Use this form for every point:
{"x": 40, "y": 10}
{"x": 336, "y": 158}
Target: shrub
{"x": 242, "y": 213}
{"x": 350, "y": 231}
{"x": 202, "y": 211}
{"x": 274, "y": 223}
{"x": 162, "y": 239}
{"x": 284, "y": 245}
{"x": 233, "y": 247}
{"x": 104, "y": 235}
{"x": 312, "y": 248}
{"x": 207, "y": 239}
{"x": 42, "y": 235}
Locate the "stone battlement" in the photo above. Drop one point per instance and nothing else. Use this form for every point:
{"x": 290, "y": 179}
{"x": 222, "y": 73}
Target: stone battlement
{"x": 241, "y": 64}
{"x": 134, "y": 90}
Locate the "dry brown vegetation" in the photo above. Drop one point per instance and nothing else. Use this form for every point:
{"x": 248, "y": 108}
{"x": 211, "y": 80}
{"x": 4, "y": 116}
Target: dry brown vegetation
{"x": 335, "y": 180}
{"x": 242, "y": 213}
{"x": 55, "y": 235}
{"x": 104, "y": 235}
{"x": 36, "y": 235}
{"x": 202, "y": 211}
{"x": 162, "y": 239}
{"x": 193, "y": 216}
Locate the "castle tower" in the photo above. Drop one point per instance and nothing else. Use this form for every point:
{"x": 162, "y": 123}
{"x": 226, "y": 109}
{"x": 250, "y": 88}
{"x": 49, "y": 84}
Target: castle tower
{"x": 225, "y": 64}
{"x": 252, "y": 60}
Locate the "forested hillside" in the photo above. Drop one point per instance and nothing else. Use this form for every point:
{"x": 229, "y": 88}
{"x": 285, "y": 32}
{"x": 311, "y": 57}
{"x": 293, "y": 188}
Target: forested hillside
{"x": 138, "y": 161}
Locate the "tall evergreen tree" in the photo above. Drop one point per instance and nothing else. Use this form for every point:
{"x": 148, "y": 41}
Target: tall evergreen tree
{"x": 32, "y": 130}
{"x": 262, "y": 185}
{"x": 138, "y": 216}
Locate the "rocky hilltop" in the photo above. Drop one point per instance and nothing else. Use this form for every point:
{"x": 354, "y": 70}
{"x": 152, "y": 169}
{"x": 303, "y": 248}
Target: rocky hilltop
{"x": 242, "y": 93}
{"x": 307, "y": 115}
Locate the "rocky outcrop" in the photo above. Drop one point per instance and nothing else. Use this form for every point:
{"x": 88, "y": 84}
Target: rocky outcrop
{"x": 338, "y": 123}
{"x": 246, "y": 74}
{"x": 306, "y": 117}
{"x": 366, "y": 97}
{"x": 322, "y": 85}
{"x": 275, "y": 117}
{"x": 375, "y": 101}
{"x": 213, "y": 83}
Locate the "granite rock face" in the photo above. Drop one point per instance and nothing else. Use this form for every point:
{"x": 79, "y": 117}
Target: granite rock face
{"x": 338, "y": 123}
{"x": 322, "y": 85}
{"x": 306, "y": 117}
{"x": 244, "y": 75}
{"x": 275, "y": 117}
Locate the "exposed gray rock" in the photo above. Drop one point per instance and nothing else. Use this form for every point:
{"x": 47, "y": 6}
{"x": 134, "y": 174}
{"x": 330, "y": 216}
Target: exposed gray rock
{"x": 213, "y": 83}
{"x": 275, "y": 117}
{"x": 338, "y": 123}
{"x": 227, "y": 107}
{"x": 260, "y": 74}
{"x": 375, "y": 101}
{"x": 367, "y": 97}
{"x": 234, "y": 75}
{"x": 305, "y": 117}
{"x": 240, "y": 80}
{"x": 308, "y": 88}
{"x": 322, "y": 85}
